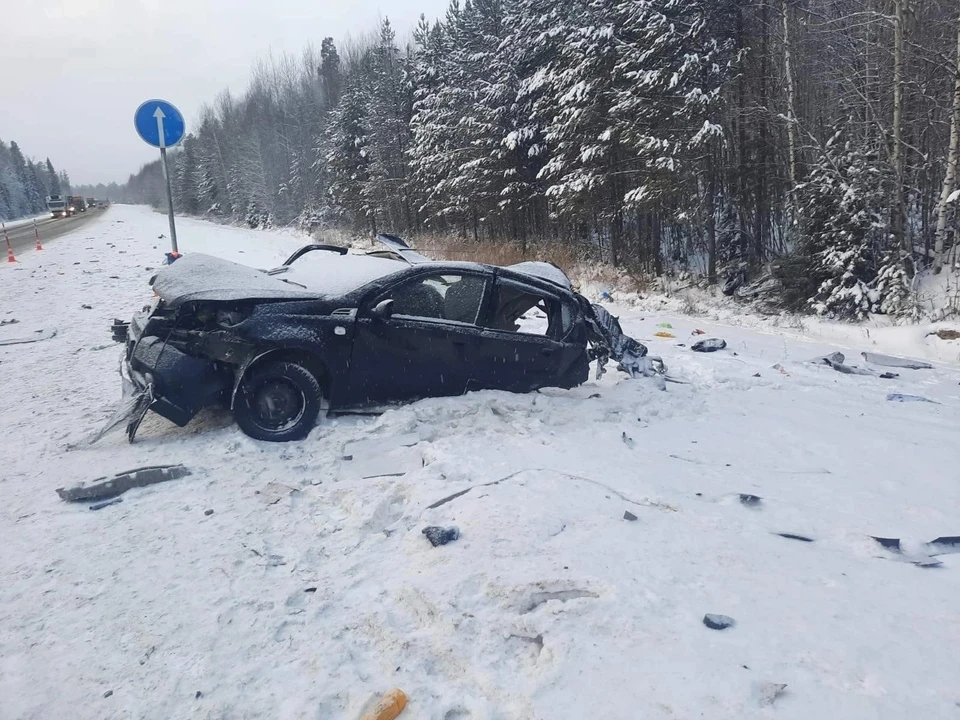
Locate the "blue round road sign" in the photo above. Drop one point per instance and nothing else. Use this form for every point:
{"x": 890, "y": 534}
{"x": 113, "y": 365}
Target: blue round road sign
{"x": 158, "y": 116}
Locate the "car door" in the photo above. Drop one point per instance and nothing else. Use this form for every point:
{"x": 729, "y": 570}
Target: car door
{"x": 425, "y": 347}
{"x": 525, "y": 343}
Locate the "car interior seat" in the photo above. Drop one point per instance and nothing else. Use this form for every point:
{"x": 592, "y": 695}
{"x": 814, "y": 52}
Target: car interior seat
{"x": 419, "y": 300}
{"x": 462, "y": 300}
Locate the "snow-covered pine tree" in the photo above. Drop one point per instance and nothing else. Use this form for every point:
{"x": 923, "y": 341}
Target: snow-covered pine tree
{"x": 346, "y": 152}
{"x": 389, "y": 108}
{"x": 33, "y": 195}
{"x": 53, "y": 178}
{"x": 185, "y": 177}
{"x": 844, "y": 226}
{"x": 435, "y": 144}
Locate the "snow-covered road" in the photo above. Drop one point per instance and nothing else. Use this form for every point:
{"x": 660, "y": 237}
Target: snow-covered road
{"x": 550, "y": 604}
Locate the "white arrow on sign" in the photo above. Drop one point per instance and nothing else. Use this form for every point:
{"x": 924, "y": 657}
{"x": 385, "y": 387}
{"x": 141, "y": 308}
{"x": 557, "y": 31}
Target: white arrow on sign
{"x": 158, "y": 114}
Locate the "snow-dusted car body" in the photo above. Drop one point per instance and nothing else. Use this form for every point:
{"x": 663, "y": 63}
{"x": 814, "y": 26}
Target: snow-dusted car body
{"x": 335, "y": 331}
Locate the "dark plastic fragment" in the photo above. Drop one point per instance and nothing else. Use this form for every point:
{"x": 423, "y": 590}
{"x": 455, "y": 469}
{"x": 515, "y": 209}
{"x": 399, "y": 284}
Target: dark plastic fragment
{"x": 792, "y": 536}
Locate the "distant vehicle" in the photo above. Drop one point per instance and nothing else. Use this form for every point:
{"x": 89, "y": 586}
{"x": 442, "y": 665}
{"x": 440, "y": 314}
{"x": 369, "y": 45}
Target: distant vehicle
{"x": 57, "y": 205}
{"x": 91, "y": 202}
{"x": 76, "y": 204}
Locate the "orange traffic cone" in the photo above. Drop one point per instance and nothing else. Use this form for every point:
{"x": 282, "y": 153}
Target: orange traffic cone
{"x": 10, "y": 257}
{"x": 36, "y": 234}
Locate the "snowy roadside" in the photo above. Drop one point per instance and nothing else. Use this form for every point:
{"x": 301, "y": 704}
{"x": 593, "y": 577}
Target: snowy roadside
{"x": 310, "y": 585}
{"x": 880, "y": 334}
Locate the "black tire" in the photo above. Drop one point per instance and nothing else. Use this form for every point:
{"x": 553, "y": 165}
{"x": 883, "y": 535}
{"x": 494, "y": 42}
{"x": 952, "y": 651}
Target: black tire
{"x": 278, "y": 402}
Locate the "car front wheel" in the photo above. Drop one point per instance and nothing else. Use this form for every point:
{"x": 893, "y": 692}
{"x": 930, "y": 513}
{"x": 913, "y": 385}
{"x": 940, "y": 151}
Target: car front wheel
{"x": 278, "y": 402}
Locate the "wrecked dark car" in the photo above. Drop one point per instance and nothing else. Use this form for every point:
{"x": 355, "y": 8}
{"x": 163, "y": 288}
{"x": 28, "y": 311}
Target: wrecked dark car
{"x": 333, "y": 331}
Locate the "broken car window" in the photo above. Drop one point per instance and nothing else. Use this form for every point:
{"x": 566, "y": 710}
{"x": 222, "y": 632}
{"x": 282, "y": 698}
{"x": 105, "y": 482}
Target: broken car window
{"x": 439, "y": 297}
{"x": 524, "y": 310}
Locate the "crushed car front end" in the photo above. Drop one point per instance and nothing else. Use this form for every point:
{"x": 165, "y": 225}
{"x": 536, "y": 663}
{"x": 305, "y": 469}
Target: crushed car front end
{"x": 175, "y": 363}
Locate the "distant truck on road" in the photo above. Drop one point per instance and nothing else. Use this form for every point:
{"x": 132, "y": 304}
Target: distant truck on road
{"x": 57, "y": 205}
{"x": 91, "y": 203}
{"x": 76, "y": 204}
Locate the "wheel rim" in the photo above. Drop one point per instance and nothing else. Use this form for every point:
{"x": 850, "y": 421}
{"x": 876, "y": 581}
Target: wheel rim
{"x": 277, "y": 404}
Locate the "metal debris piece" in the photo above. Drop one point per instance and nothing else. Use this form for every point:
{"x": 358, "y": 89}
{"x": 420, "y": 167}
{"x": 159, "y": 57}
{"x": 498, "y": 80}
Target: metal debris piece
{"x": 891, "y": 361}
{"x": 106, "y": 503}
{"x": 103, "y": 488}
{"x": 750, "y": 500}
{"x": 36, "y": 337}
{"x": 627, "y": 515}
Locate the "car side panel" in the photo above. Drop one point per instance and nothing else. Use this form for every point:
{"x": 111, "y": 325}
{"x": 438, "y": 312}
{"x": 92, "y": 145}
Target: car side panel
{"x": 302, "y": 327}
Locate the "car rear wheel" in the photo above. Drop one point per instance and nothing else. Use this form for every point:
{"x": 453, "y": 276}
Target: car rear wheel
{"x": 278, "y": 402}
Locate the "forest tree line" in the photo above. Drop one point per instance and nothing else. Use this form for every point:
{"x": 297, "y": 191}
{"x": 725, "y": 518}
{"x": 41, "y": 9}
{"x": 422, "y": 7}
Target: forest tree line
{"x": 655, "y": 135}
{"x": 25, "y": 184}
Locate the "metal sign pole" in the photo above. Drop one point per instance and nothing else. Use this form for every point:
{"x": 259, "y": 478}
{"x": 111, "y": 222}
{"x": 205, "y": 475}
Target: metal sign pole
{"x": 166, "y": 180}
{"x": 160, "y": 124}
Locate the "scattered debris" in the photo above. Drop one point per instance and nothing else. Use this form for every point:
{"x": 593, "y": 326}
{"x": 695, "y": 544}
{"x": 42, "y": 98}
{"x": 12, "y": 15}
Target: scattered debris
{"x": 901, "y": 397}
{"x": 208, "y": 512}
{"x": 595, "y": 395}
{"x": 945, "y": 545}
{"x": 387, "y": 707}
{"x": 146, "y": 656}
{"x": 889, "y": 376}
{"x": 782, "y": 369}
{"x": 919, "y": 558}
{"x": 643, "y": 502}
{"x": 539, "y": 598}
{"x": 750, "y": 500}
{"x": 709, "y": 345}
{"x": 381, "y": 456}
{"x": 103, "y": 488}
{"x": 310, "y": 590}
{"x": 889, "y": 543}
{"x": 11, "y": 321}
{"x": 198, "y": 695}
{"x": 627, "y": 440}
{"x": 756, "y": 375}
{"x": 836, "y": 361}
{"x": 665, "y": 325}
{"x": 792, "y": 536}
{"x": 769, "y": 692}
{"x": 948, "y": 334}
{"x": 441, "y": 536}
{"x": 108, "y": 693}
{"x": 891, "y": 361}
{"x": 718, "y": 622}
{"x": 106, "y": 503}
{"x": 274, "y": 492}
{"x": 627, "y": 515}
{"x": 36, "y": 337}
{"x": 698, "y": 331}
{"x": 87, "y": 307}
{"x": 664, "y": 334}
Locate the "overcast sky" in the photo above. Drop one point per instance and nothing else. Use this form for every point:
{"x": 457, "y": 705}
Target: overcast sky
{"x": 72, "y": 72}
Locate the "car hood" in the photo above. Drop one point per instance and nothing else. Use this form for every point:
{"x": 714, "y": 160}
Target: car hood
{"x": 197, "y": 277}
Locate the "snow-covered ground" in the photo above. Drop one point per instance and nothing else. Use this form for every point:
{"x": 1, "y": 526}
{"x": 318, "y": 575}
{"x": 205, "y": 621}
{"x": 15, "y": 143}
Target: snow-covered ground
{"x": 550, "y": 604}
